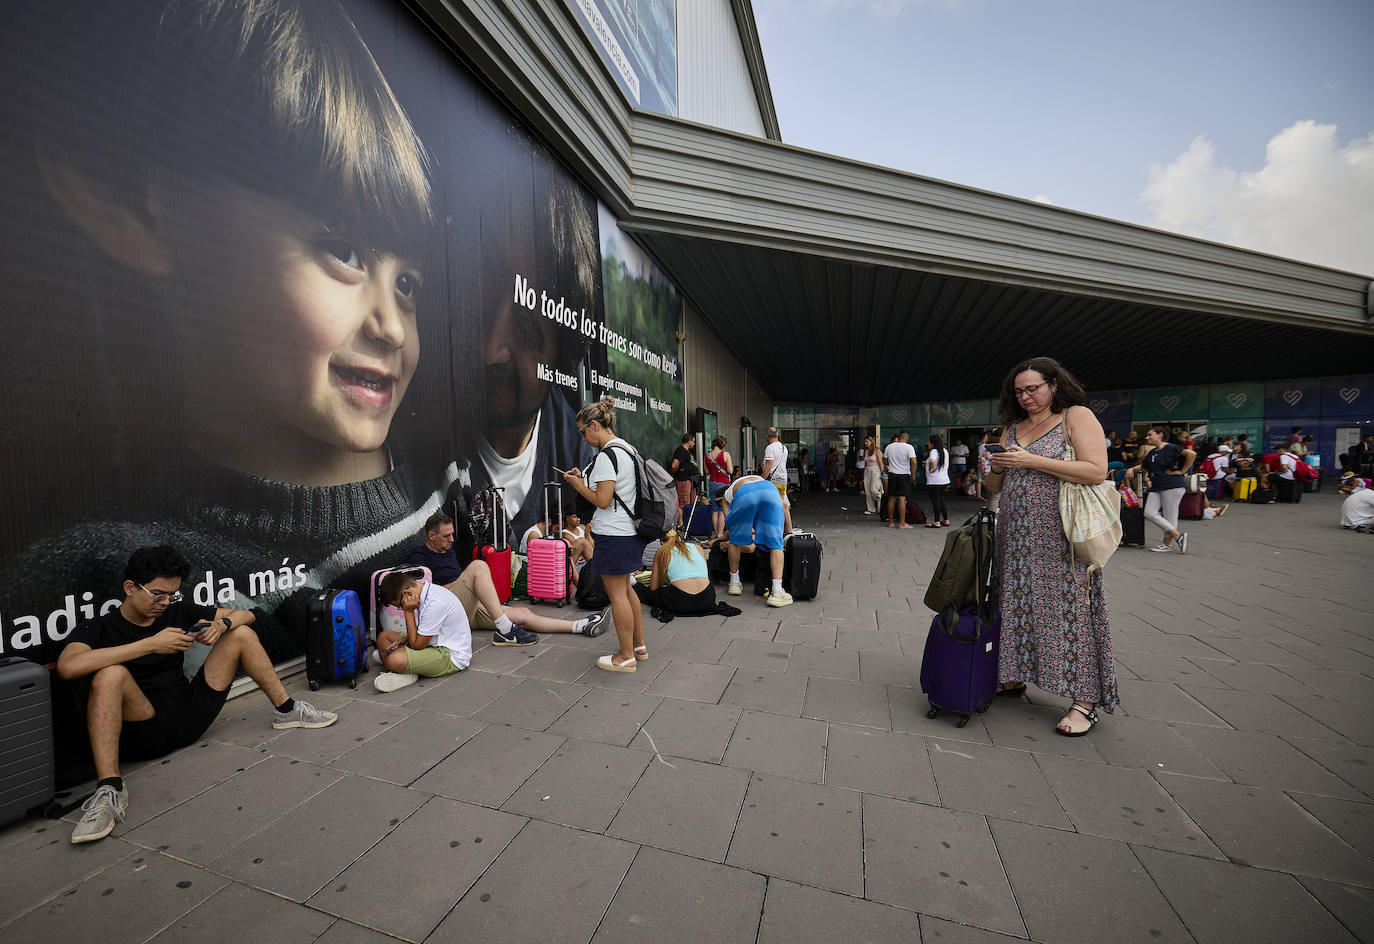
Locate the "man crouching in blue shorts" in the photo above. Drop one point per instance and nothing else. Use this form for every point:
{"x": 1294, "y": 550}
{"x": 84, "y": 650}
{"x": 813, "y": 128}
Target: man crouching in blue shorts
{"x": 754, "y": 516}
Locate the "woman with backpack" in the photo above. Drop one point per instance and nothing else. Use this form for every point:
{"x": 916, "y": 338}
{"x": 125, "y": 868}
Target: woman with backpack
{"x": 610, "y": 487}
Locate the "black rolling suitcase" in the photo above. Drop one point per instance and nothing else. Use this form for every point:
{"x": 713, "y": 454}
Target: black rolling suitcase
{"x": 335, "y": 638}
{"x": 801, "y": 565}
{"x": 26, "y": 743}
{"x": 1133, "y": 520}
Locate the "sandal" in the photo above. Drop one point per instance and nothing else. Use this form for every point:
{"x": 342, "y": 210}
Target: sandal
{"x": 1070, "y": 728}
{"x": 932, "y": 526}
{"x": 641, "y": 653}
{"x": 610, "y": 665}
{"x": 1011, "y": 690}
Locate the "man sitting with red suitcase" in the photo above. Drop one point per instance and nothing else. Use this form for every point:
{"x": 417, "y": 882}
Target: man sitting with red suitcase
{"x": 141, "y": 704}
{"x": 473, "y": 586}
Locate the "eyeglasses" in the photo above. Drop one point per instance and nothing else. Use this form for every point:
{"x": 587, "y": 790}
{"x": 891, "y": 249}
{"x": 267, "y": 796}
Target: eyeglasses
{"x": 1029, "y": 390}
{"x": 162, "y": 596}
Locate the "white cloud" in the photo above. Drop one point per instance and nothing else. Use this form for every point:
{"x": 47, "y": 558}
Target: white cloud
{"x": 1312, "y": 200}
{"x": 1041, "y": 198}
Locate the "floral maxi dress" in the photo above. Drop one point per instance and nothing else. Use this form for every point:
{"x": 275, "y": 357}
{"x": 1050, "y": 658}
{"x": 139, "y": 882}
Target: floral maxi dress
{"x": 1054, "y": 623}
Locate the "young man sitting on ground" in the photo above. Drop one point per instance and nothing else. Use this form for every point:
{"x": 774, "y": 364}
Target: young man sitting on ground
{"x": 141, "y": 705}
{"x": 473, "y": 586}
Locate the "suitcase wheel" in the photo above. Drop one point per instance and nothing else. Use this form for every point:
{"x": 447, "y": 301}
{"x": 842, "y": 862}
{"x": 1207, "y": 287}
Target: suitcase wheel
{"x": 314, "y": 685}
{"x": 561, "y": 603}
{"x": 963, "y": 720}
{"x": 933, "y": 712}
{"x": 352, "y": 683}
{"x": 983, "y": 707}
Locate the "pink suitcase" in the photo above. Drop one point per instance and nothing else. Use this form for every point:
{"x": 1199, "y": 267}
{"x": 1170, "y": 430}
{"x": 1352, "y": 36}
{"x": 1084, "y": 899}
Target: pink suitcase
{"x": 548, "y": 570}
{"x": 391, "y": 617}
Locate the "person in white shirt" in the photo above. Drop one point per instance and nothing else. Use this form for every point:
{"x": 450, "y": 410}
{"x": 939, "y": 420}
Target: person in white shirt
{"x": 775, "y": 471}
{"x": 898, "y": 456}
{"x": 1290, "y": 489}
{"x": 958, "y": 463}
{"x": 937, "y": 480}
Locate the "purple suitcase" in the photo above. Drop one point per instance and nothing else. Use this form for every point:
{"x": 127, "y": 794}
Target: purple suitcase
{"x": 959, "y": 668}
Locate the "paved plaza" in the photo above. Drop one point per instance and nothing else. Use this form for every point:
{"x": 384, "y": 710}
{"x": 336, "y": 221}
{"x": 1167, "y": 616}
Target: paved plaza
{"x": 772, "y": 777}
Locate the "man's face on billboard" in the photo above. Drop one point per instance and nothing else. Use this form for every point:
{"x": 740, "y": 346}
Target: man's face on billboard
{"x": 516, "y": 342}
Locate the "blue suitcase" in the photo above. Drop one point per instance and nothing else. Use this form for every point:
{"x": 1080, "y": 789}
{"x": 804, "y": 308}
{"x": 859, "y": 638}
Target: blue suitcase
{"x": 335, "y": 638}
{"x": 959, "y": 668}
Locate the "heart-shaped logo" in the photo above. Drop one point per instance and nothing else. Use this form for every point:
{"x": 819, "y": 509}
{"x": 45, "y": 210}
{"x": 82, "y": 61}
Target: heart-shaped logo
{"x": 1097, "y": 406}
{"x": 965, "y": 413}
{"x": 1349, "y": 394}
{"x": 1291, "y": 397}
{"x": 899, "y": 416}
{"x": 1168, "y": 402}
{"x": 1237, "y": 400}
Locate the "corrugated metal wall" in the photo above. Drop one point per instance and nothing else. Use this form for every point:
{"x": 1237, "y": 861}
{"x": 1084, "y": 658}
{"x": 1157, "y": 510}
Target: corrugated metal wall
{"x": 716, "y": 380}
{"x": 713, "y": 80}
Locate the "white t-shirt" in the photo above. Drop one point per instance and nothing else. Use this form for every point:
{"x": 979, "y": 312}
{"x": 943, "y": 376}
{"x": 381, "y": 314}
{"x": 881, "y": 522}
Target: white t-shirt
{"x": 1221, "y": 461}
{"x": 937, "y": 473}
{"x": 574, "y": 534}
{"x": 442, "y": 617}
{"x": 959, "y": 454}
{"x": 613, "y": 520}
{"x": 778, "y": 453}
{"x": 1289, "y": 462}
{"x": 533, "y": 532}
{"x": 899, "y": 457}
{"x": 514, "y": 476}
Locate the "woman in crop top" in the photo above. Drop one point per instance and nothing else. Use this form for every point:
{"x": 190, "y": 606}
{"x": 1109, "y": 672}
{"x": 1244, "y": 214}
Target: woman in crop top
{"x": 679, "y": 582}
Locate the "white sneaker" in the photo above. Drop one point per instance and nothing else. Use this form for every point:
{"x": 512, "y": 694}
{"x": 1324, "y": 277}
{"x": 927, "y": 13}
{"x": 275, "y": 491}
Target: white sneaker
{"x": 1182, "y": 543}
{"x": 1162, "y": 549}
{"x": 100, "y": 813}
{"x": 779, "y": 598}
{"x": 735, "y": 589}
{"x": 390, "y": 681}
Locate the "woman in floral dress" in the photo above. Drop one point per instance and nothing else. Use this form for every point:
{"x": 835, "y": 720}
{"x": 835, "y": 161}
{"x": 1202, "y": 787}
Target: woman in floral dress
{"x": 1054, "y": 613}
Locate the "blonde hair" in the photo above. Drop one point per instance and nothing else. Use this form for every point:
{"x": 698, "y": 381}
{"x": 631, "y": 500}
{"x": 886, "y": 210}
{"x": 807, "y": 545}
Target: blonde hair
{"x": 672, "y": 542}
{"x": 602, "y": 411}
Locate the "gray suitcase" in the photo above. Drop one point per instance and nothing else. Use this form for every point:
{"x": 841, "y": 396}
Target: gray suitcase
{"x": 26, "y": 767}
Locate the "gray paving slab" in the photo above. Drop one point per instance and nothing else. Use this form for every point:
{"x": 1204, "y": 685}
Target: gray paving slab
{"x": 491, "y": 765}
{"x": 887, "y": 763}
{"x": 1351, "y": 905}
{"x": 816, "y": 636}
{"x": 207, "y": 825}
{"x": 661, "y": 902}
{"x": 695, "y": 680}
{"x": 890, "y": 668}
{"x": 995, "y": 782}
{"x": 1267, "y": 829}
{"x": 1267, "y": 761}
{"x": 1342, "y": 658}
{"x": 861, "y": 703}
{"x": 1355, "y": 687}
{"x": 1140, "y": 811}
{"x": 535, "y": 703}
{"x": 683, "y": 806}
{"x": 1353, "y": 822}
{"x": 1164, "y": 701}
{"x": 1353, "y": 764}
{"x": 752, "y": 624}
{"x": 1113, "y": 897}
{"x": 607, "y": 716}
{"x": 346, "y": 932}
{"x": 1260, "y": 711}
{"x": 162, "y": 784}
{"x": 688, "y": 729}
{"x": 443, "y": 848}
{"x": 1021, "y": 725}
{"x": 1221, "y": 903}
{"x": 1250, "y": 677}
{"x": 465, "y": 693}
{"x": 757, "y": 655}
{"x": 774, "y": 692}
{"x": 1351, "y": 721}
{"x": 582, "y": 785}
{"x": 827, "y": 663}
{"x": 237, "y": 913}
{"x": 43, "y": 864}
{"x": 551, "y": 884}
{"x": 805, "y": 832}
{"x": 800, "y": 914}
{"x": 298, "y": 854}
{"x": 872, "y": 640}
{"x": 407, "y": 749}
{"x": 506, "y": 660}
{"x": 939, "y": 931}
{"x": 358, "y": 722}
{"x": 693, "y": 648}
{"x": 635, "y": 682}
{"x": 1151, "y": 745}
{"x": 939, "y": 862}
{"x": 1153, "y": 667}
{"x": 787, "y": 747}
{"x": 1254, "y": 650}
{"x": 561, "y": 663}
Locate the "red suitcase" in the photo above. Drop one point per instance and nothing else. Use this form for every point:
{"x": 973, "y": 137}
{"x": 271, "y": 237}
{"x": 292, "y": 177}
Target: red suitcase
{"x": 548, "y": 574}
{"x": 497, "y": 553}
{"x": 1192, "y": 505}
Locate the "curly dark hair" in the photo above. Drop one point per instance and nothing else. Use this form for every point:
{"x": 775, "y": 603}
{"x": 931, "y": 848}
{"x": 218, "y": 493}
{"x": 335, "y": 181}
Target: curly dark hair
{"x": 149, "y": 563}
{"x": 1067, "y": 390}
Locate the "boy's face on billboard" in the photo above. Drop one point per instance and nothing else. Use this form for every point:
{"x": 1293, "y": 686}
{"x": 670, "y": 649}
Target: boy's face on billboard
{"x": 294, "y": 326}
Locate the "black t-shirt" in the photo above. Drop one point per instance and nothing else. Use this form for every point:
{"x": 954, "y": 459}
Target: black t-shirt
{"x": 444, "y": 568}
{"x": 686, "y": 467}
{"x": 1159, "y": 461}
{"x": 158, "y": 675}
{"x": 1115, "y": 453}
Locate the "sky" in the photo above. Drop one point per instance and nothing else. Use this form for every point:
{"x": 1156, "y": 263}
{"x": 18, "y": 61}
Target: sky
{"x": 1247, "y": 122}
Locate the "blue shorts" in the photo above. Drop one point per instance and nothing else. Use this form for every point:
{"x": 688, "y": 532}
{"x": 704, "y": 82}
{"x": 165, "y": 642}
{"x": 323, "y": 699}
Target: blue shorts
{"x": 617, "y": 554}
{"x": 755, "y": 517}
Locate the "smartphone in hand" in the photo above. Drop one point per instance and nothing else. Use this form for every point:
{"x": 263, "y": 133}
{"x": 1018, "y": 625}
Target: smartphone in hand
{"x": 994, "y": 447}
{"x": 198, "y": 628}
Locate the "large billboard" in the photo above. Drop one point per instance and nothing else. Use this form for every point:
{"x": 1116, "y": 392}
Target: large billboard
{"x": 637, "y": 40}
{"x": 281, "y": 280}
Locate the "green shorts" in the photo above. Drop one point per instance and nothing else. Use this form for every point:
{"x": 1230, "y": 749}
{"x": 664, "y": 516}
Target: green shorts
{"x": 431, "y": 661}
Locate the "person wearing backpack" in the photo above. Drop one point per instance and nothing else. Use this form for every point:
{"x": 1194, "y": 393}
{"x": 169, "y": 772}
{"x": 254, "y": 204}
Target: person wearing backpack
{"x": 611, "y": 488}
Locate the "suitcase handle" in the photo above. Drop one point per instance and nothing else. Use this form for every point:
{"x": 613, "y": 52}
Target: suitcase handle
{"x": 558, "y": 488}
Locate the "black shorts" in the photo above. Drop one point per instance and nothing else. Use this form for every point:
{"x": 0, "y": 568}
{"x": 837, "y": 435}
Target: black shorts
{"x": 898, "y": 485}
{"x": 180, "y": 720}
